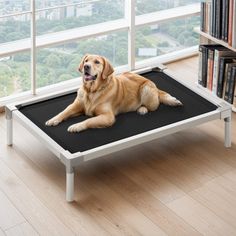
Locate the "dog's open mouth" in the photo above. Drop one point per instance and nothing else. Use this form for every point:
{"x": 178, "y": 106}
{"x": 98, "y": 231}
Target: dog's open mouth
{"x": 88, "y": 77}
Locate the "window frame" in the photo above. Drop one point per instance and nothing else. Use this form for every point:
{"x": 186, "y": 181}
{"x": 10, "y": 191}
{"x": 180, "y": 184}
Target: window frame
{"x": 129, "y": 23}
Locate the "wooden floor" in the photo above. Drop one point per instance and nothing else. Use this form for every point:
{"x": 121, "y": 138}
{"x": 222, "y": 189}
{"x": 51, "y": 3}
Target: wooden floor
{"x": 182, "y": 184}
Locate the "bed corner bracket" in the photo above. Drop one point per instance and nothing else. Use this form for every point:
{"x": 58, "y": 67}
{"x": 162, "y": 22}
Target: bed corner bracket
{"x": 225, "y": 114}
{"x": 9, "y": 123}
{"x": 159, "y": 68}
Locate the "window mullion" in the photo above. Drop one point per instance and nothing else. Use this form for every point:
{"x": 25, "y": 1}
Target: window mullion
{"x": 33, "y": 48}
{"x": 130, "y": 17}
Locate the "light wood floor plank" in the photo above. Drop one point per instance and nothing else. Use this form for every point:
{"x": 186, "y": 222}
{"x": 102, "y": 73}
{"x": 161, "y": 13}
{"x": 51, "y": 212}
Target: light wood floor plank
{"x": 9, "y": 215}
{"x": 119, "y": 206}
{"x": 117, "y": 222}
{"x": 216, "y": 196}
{"x": 24, "y": 229}
{"x": 146, "y": 203}
{"x": 183, "y": 184}
{"x": 200, "y": 217}
{"x": 135, "y": 168}
{"x": 48, "y": 183}
{"x": 29, "y": 206}
{"x": 2, "y": 233}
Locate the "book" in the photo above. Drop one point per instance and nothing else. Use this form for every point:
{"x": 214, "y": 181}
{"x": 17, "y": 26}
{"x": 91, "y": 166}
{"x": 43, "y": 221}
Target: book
{"x": 213, "y": 18}
{"x": 208, "y": 18}
{"x": 230, "y": 27}
{"x": 225, "y": 20}
{"x": 223, "y": 65}
{"x": 219, "y": 52}
{"x": 210, "y": 63}
{"x": 228, "y": 80}
{"x": 202, "y": 17}
{"x": 232, "y": 86}
{"x": 202, "y": 75}
{"x": 234, "y": 26}
{"x": 218, "y": 18}
{"x": 233, "y": 95}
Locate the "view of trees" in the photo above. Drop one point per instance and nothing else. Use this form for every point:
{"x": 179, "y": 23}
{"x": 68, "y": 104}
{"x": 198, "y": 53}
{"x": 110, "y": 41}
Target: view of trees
{"x": 60, "y": 63}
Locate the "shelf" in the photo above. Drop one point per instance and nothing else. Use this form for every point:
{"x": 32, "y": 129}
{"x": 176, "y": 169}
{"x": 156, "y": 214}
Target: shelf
{"x": 208, "y": 36}
{"x": 214, "y": 95}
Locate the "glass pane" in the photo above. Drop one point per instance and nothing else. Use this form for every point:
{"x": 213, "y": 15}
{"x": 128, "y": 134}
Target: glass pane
{"x": 14, "y": 74}
{"x": 77, "y": 14}
{"x": 14, "y": 28}
{"x": 56, "y": 64}
{"x": 13, "y": 6}
{"x": 155, "y": 40}
{"x": 148, "y": 6}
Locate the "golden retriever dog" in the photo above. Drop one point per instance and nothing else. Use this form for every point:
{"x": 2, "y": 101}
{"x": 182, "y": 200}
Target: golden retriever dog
{"x": 104, "y": 95}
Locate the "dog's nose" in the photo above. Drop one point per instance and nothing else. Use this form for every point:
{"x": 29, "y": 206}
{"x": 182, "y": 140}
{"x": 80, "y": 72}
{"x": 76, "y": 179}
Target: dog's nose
{"x": 86, "y": 67}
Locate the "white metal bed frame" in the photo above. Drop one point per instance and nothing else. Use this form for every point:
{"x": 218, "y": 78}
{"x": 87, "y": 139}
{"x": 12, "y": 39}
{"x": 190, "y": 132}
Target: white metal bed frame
{"x": 70, "y": 160}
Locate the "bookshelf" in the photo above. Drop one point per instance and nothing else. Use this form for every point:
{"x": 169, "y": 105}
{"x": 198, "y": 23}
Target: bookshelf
{"x": 218, "y": 27}
{"x": 207, "y": 38}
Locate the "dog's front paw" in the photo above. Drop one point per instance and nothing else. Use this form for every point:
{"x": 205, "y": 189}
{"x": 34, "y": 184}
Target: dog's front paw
{"x": 53, "y": 122}
{"x": 76, "y": 128}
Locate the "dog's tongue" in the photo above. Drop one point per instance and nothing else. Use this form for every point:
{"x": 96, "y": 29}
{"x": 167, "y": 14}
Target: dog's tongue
{"x": 88, "y": 77}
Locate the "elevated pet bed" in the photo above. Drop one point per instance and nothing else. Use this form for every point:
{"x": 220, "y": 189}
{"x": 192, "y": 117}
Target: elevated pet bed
{"x": 130, "y": 129}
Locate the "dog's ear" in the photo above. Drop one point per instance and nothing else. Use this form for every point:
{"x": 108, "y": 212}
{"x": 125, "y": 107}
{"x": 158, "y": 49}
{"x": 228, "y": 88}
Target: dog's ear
{"x": 107, "y": 69}
{"x": 81, "y": 65}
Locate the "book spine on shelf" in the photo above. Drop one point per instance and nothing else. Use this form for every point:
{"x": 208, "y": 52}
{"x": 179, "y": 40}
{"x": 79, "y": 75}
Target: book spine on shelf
{"x": 210, "y": 18}
{"x": 233, "y": 95}
{"x": 234, "y": 26}
{"x": 228, "y": 82}
{"x": 223, "y": 22}
{"x": 200, "y": 66}
{"x": 231, "y": 92}
{"x": 210, "y": 63}
{"x": 204, "y": 66}
{"x": 202, "y": 17}
{"x": 207, "y": 17}
{"x": 215, "y": 71}
{"x": 230, "y": 27}
{"x": 227, "y": 68}
{"x": 221, "y": 78}
{"x": 226, "y": 20}
{"x": 218, "y": 18}
{"x": 213, "y": 17}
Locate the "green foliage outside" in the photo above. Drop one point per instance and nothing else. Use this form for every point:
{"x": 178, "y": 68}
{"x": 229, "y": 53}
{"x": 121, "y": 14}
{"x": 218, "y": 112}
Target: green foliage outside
{"x": 60, "y": 63}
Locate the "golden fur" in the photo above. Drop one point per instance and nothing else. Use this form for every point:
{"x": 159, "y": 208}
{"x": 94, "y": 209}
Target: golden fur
{"x": 104, "y": 95}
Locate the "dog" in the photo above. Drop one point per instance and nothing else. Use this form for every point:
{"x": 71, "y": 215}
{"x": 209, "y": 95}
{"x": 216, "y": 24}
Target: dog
{"x": 104, "y": 95}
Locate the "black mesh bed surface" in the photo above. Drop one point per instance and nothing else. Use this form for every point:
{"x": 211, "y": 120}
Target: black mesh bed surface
{"x": 126, "y": 125}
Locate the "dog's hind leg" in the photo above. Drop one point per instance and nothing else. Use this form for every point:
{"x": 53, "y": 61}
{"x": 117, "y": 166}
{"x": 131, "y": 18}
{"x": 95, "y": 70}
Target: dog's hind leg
{"x": 149, "y": 98}
{"x": 167, "y": 99}
{"x": 142, "y": 110}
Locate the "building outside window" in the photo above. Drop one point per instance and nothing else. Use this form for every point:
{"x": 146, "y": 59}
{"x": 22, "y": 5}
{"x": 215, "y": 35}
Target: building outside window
{"x": 57, "y": 61}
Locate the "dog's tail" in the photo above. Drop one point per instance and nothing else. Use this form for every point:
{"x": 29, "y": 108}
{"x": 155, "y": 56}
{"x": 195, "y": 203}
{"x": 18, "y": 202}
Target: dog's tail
{"x": 167, "y": 99}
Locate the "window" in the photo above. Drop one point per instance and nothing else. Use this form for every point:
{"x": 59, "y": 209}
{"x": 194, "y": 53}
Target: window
{"x": 148, "y": 6}
{"x": 57, "y": 64}
{"x": 166, "y": 37}
{"x": 61, "y": 15}
{"x": 125, "y": 31}
{"x": 14, "y": 28}
{"x": 14, "y": 74}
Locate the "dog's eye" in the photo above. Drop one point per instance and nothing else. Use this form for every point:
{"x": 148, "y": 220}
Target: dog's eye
{"x": 86, "y": 60}
{"x": 97, "y": 62}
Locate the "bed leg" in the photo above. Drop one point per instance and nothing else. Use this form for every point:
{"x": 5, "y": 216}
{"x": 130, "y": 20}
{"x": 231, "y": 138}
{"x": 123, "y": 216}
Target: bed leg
{"x": 228, "y": 131}
{"x": 69, "y": 184}
{"x": 9, "y": 124}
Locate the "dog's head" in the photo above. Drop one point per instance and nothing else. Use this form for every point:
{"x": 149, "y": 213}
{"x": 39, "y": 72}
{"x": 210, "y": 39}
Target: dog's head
{"x": 95, "y": 68}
